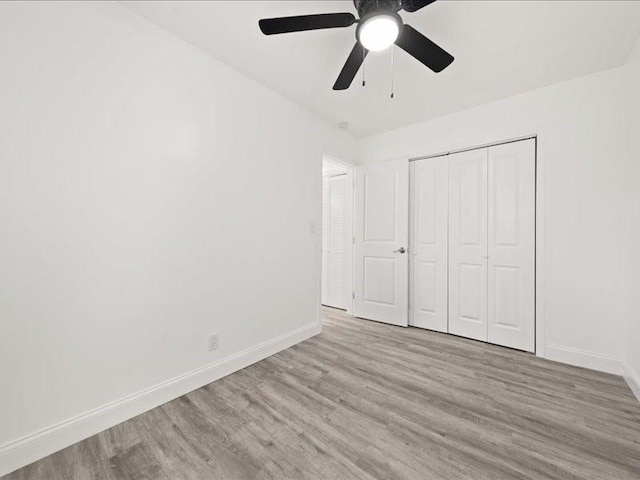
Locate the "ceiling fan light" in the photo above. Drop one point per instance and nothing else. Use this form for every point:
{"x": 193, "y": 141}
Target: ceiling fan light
{"x": 378, "y": 32}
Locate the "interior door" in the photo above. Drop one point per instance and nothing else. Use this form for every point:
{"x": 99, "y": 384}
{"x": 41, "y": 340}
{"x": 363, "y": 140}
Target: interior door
{"x": 512, "y": 245}
{"x": 335, "y": 240}
{"x": 380, "y": 241}
{"x": 468, "y": 244}
{"x": 429, "y": 236}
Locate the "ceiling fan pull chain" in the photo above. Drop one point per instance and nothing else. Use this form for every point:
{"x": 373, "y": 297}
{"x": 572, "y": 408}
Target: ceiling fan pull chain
{"x": 363, "y": 66}
{"x": 392, "y": 70}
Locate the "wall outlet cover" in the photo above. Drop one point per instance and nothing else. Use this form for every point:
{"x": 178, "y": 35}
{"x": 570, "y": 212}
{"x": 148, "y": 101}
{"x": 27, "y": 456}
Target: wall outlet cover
{"x": 213, "y": 342}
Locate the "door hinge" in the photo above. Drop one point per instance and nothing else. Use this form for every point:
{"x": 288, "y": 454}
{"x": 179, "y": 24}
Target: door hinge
{"x": 353, "y": 295}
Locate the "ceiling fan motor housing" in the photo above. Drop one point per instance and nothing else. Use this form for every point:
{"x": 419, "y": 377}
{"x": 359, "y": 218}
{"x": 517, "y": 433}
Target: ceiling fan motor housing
{"x": 368, "y": 7}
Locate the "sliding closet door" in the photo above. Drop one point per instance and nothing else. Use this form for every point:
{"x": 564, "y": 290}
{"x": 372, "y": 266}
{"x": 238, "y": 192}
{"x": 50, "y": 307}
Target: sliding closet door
{"x": 512, "y": 245}
{"x": 468, "y": 244}
{"x": 429, "y": 236}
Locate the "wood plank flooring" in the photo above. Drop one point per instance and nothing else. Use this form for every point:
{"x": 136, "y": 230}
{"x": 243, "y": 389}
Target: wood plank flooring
{"x": 369, "y": 401}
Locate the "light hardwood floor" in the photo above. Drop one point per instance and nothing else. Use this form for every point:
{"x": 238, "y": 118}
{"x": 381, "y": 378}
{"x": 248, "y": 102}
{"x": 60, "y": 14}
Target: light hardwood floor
{"x": 368, "y": 401}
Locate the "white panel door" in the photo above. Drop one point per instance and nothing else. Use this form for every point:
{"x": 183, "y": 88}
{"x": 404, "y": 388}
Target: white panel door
{"x": 333, "y": 240}
{"x": 468, "y": 244}
{"x": 512, "y": 245}
{"x": 429, "y": 237}
{"x": 381, "y": 234}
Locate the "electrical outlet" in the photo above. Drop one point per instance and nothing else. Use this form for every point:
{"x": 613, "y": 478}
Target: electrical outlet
{"x": 213, "y": 342}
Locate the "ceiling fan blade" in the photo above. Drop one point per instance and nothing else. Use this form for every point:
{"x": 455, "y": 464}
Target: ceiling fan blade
{"x": 423, "y": 49}
{"x": 415, "y": 5}
{"x": 272, "y": 26}
{"x": 351, "y": 67}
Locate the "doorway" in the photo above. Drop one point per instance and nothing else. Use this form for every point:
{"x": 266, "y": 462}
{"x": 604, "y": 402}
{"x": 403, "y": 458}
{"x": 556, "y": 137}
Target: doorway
{"x": 337, "y": 233}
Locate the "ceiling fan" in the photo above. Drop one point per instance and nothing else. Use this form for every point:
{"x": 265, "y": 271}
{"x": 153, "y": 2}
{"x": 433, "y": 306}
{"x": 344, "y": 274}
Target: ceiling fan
{"x": 379, "y": 27}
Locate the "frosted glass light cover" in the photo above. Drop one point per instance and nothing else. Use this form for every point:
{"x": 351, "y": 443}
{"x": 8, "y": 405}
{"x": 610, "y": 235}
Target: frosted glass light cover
{"x": 378, "y": 32}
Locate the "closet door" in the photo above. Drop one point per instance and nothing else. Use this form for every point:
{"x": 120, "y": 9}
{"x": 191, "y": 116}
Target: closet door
{"x": 468, "y": 244}
{"x": 429, "y": 236}
{"x": 336, "y": 240}
{"x": 333, "y": 237}
{"x": 512, "y": 245}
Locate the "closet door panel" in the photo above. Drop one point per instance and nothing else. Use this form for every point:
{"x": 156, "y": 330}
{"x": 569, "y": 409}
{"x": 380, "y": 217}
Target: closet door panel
{"x": 336, "y": 240}
{"x": 468, "y": 244}
{"x": 333, "y": 240}
{"x": 429, "y": 218}
{"x": 511, "y": 247}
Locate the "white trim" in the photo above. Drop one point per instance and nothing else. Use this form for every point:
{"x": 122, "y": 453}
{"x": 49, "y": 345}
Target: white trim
{"x": 410, "y": 243}
{"x": 633, "y": 380}
{"x": 542, "y": 229}
{"x": 582, "y": 358}
{"x": 32, "y": 447}
{"x": 348, "y": 247}
{"x": 595, "y": 361}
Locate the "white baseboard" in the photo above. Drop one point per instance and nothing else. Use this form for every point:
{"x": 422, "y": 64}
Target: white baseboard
{"x": 594, "y": 361}
{"x": 28, "y": 449}
{"x": 633, "y": 380}
{"x": 581, "y": 358}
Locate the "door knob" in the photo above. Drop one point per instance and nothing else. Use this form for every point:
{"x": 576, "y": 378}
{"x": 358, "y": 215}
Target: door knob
{"x": 400, "y": 250}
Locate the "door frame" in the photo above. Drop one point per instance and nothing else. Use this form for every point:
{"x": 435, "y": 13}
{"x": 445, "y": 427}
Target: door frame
{"x": 541, "y": 214}
{"x": 348, "y": 233}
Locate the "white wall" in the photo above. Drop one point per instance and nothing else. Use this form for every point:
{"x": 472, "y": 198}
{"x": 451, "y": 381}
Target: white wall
{"x": 632, "y": 103}
{"x": 582, "y": 140}
{"x": 149, "y": 196}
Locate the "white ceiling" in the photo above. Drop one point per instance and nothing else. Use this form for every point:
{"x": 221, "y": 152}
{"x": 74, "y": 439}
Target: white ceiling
{"x": 501, "y": 48}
